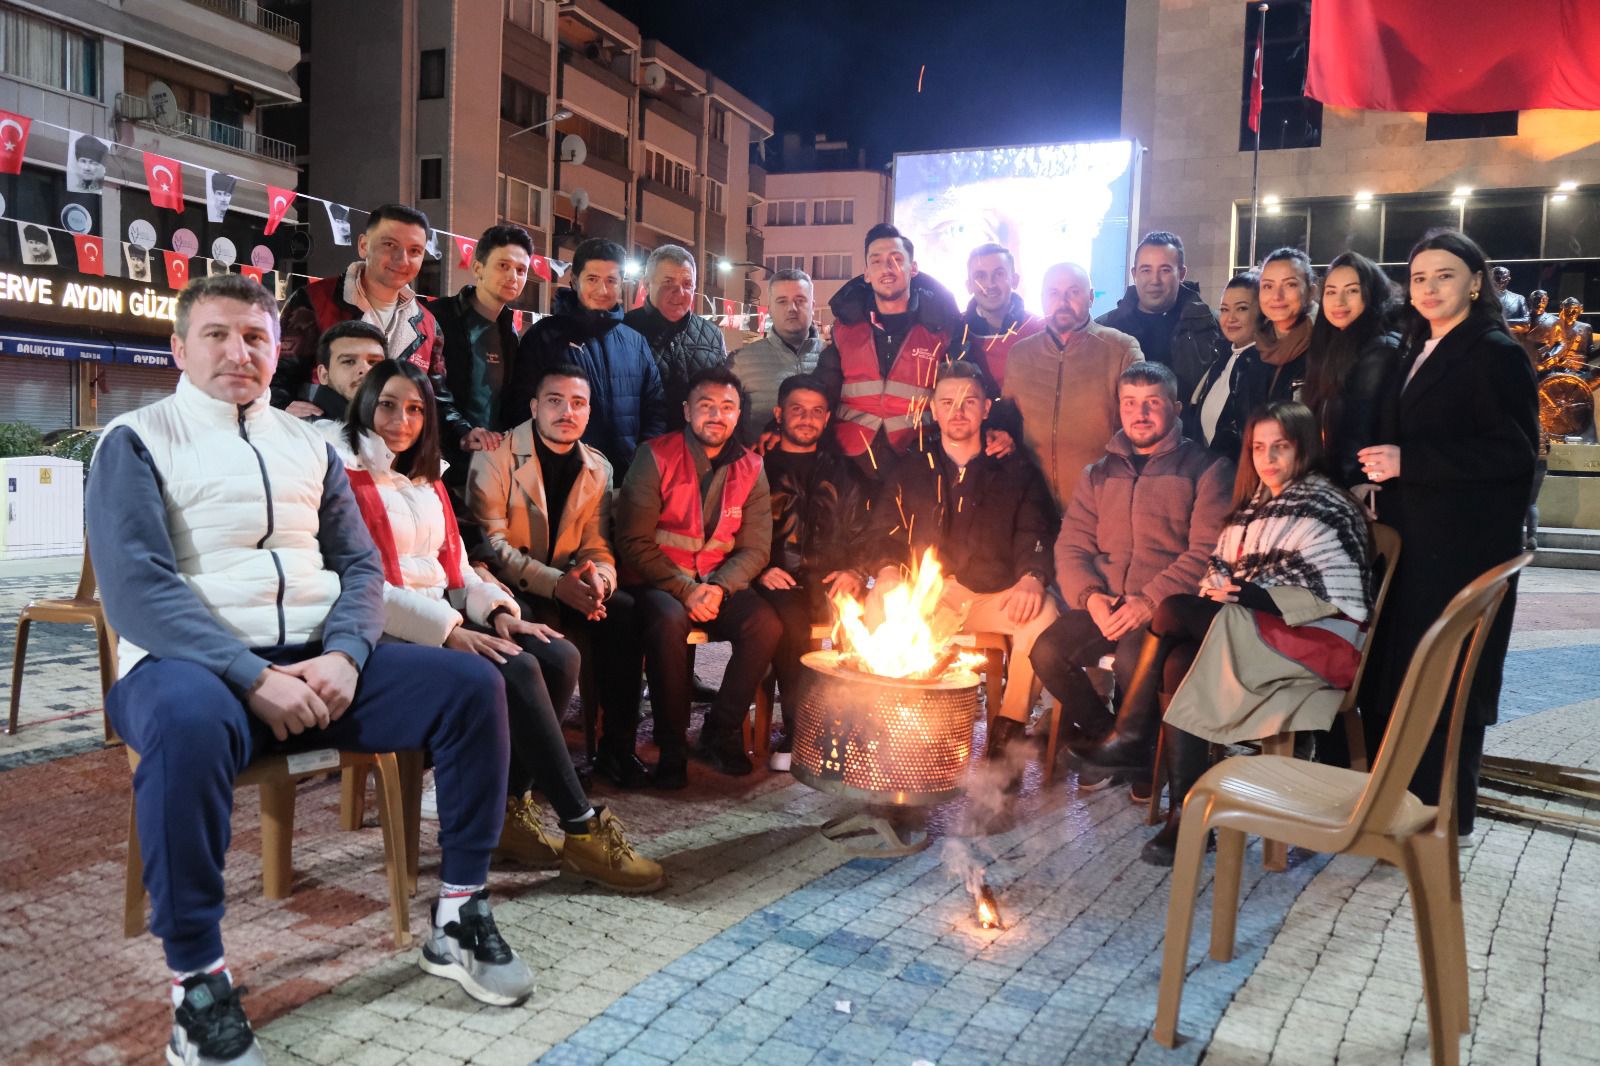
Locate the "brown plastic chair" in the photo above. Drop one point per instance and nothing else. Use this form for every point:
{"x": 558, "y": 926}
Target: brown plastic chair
{"x": 1328, "y": 809}
{"x": 82, "y": 609}
{"x": 276, "y": 781}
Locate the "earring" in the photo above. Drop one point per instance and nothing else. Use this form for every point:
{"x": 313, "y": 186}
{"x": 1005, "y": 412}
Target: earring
{"x": 1474, "y": 294}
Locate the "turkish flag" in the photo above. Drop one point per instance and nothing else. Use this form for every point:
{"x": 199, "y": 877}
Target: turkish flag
{"x": 91, "y": 254}
{"x": 177, "y": 268}
{"x": 466, "y": 247}
{"x": 278, "y": 201}
{"x": 165, "y": 178}
{"x": 251, "y": 272}
{"x": 761, "y": 318}
{"x": 540, "y": 268}
{"x": 13, "y": 141}
{"x": 1255, "y": 90}
{"x": 516, "y": 321}
{"x": 1379, "y": 55}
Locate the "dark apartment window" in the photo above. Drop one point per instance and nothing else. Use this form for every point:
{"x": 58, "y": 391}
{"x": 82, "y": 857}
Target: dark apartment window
{"x": 430, "y": 178}
{"x": 520, "y": 104}
{"x": 1289, "y": 118}
{"x": 430, "y": 80}
{"x": 1460, "y": 127}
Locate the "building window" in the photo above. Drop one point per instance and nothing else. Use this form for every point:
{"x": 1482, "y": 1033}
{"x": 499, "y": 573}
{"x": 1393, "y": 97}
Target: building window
{"x": 833, "y": 212}
{"x": 430, "y": 79}
{"x": 519, "y": 201}
{"x": 524, "y": 13}
{"x": 1460, "y": 127}
{"x": 786, "y": 212}
{"x": 832, "y": 267}
{"x": 49, "y": 54}
{"x": 776, "y": 263}
{"x": 521, "y": 105}
{"x": 719, "y": 124}
{"x": 666, "y": 170}
{"x": 1289, "y": 118}
{"x": 430, "y": 178}
{"x": 602, "y": 142}
{"x": 715, "y": 192}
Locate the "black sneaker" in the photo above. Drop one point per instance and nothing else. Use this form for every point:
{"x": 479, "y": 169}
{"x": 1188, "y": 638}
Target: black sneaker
{"x": 209, "y": 1027}
{"x": 471, "y": 952}
{"x": 621, "y": 767}
{"x": 724, "y": 754}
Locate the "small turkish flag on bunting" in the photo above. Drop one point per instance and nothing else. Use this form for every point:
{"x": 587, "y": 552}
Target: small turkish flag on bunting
{"x": 278, "y": 201}
{"x": 761, "y": 318}
{"x": 177, "y": 268}
{"x": 516, "y": 319}
{"x": 540, "y": 268}
{"x": 165, "y": 178}
{"x": 466, "y": 248}
{"x": 91, "y": 254}
{"x": 13, "y": 141}
{"x": 638, "y": 296}
{"x": 251, "y": 272}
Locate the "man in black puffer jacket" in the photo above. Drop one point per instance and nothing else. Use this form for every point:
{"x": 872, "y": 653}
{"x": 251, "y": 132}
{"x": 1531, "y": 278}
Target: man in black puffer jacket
{"x": 682, "y": 342}
{"x": 1167, "y": 314}
{"x": 626, "y": 402}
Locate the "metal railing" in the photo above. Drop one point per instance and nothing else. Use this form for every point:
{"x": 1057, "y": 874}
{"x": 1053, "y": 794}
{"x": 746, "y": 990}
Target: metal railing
{"x": 199, "y": 128}
{"x": 253, "y": 13}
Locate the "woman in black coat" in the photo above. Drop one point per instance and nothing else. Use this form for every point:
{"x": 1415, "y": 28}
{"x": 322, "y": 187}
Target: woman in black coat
{"x": 1460, "y": 424}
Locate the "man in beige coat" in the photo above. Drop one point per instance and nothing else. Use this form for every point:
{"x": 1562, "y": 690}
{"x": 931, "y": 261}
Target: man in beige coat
{"x": 543, "y": 498}
{"x": 1063, "y": 381}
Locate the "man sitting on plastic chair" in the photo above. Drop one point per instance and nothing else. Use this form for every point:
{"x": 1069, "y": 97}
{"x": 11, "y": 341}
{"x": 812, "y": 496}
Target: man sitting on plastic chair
{"x": 233, "y": 562}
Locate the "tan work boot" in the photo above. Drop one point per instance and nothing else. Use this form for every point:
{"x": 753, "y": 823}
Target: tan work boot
{"x": 603, "y": 856}
{"x": 523, "y": 839}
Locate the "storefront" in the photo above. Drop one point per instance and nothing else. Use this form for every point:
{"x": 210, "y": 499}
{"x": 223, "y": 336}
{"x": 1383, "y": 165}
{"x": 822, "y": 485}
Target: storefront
{"x": 78, "y": 350}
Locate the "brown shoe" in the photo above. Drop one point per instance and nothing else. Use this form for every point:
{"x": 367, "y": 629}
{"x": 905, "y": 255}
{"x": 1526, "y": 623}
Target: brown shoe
{"x": 603, "y": 856}
{"x": 523, "y": 839}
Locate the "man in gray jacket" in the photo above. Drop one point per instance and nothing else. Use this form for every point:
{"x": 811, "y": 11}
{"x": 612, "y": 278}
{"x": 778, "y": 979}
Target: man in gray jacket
{"x": 789, "y": 347}
{"x": 1140, "y": 526}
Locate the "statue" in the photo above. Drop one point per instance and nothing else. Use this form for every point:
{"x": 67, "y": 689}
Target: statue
{"x": 1537, "y": 330}
{"x": 1515, "y": 307}
{"x": 1573, "y": 339}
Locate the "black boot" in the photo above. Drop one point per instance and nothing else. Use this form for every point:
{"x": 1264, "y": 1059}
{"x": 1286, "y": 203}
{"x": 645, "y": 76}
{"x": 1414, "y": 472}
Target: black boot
{"x": 1132, "y": 744}
{"x": 1187, "y": 757}
{"x": 1004, "y": 734}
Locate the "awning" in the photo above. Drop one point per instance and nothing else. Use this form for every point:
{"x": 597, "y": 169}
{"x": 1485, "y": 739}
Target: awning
{"x": 32, "y": 346}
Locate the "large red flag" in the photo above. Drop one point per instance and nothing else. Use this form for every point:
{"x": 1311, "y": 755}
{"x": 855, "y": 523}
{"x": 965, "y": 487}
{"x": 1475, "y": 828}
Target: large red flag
{"x": 91, "y": 254}
{"x": 1255, "y": 90}
{"x": 177, "y": 268}
{"x": 278, "y": 201}
{"x": 13, "y": 141}
{"x": 165, "y": 178}
{"x": 1379, "y": 55}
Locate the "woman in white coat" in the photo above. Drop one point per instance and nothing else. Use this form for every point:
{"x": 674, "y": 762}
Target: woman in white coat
{"x": 433, "y": 596}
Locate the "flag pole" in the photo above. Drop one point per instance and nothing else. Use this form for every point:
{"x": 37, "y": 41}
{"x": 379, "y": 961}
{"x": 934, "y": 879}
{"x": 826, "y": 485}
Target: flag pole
{"x": 1255, "y": 161}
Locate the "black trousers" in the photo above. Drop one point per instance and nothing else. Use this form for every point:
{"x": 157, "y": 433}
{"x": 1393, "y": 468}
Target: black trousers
{"x": 1071, "y": 644}
{"x": 798, "y": 609}
{"x": 611, "y": 646}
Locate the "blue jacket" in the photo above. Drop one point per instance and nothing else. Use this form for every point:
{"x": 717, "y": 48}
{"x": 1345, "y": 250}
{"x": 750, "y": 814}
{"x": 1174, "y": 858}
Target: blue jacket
{"x": 626, "y": 403}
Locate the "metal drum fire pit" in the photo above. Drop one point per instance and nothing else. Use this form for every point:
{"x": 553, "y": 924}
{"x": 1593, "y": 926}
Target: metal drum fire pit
{"x": 897, "y": 745}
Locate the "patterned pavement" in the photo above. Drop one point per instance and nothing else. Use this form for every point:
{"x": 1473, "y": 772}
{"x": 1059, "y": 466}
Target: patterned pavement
{"x": 771, "y": 946}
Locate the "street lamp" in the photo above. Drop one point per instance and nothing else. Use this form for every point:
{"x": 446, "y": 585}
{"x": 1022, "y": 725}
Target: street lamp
{"x": 560, "y": 116}
{"x": 725, "y": 265}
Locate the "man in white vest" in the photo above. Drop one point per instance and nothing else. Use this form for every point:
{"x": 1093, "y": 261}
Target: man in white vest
{"x": 236, "y": 568}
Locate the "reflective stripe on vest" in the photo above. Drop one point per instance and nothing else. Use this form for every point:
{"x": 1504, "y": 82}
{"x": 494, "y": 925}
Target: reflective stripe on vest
{"x": 868, "y": 401}
{"x": 680, "y": 531}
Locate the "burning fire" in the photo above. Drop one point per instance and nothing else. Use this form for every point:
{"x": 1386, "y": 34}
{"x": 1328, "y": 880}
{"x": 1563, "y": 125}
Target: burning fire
{"x": 988, "y": 909}
{"x": 914, "y": 639}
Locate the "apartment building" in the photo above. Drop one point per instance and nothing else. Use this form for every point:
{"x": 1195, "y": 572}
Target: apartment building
{"x": 187, "y": 79}
{"x": 817, "y": 220}
{"x": 559, "y": 117}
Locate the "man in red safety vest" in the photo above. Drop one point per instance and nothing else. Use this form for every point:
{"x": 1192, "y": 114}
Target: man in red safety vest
{"x": 693, "y": 528}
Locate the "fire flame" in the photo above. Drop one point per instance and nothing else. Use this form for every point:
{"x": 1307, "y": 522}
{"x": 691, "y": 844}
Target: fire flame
{"x": 988, "y": 910}
{"x": 914, "y": 638}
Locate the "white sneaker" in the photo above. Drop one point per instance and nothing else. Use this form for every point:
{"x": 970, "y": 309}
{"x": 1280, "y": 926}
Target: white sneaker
{"x": 779, "y": 761}
{"x": 471, "y": 952}
{"x": 430, "y": 798}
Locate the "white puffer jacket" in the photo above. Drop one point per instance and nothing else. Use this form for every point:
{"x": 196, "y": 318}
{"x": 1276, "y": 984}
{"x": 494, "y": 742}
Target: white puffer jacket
{"x": 243, "y": 493}
{"x": 422, "y": 610}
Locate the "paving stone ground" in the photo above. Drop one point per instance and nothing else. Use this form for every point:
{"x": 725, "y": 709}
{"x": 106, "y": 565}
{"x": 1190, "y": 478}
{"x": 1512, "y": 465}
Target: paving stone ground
{"x": 771, "y": 946}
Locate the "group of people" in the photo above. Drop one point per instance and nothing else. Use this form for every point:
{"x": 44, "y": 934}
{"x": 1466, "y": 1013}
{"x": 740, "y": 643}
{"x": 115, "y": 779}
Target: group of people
{"x": 381, "y": 523}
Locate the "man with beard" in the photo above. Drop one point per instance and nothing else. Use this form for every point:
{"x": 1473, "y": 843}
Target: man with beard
{"x": 995, "y": 320}
{"x": 683, "y": 342}
{"x": 818, "y": 519}
{"x": 344, "y": 355}
{"x": 1166, "y": 313}
{"x": 626, "y": 403}
{"x": 791, "y": 346}
{"x": 693, "y": 529}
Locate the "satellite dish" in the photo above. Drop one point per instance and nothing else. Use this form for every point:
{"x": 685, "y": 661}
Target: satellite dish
{"x": 655, "y": 78}
{"x": 573, "y": 150}
{"x": 580, "y": 201}
{"x": 163, "y": 105}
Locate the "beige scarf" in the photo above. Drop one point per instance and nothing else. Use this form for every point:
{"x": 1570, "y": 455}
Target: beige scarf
{"x": 1281, "y": 351}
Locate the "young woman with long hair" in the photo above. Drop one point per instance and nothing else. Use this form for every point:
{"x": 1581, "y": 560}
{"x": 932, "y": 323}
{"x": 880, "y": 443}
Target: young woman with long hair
{"x": 432, "y": 595}
{"x": 1274, "y": 368}
{"x": 1206, "y": 417}
{"x": 1460, "y": 431}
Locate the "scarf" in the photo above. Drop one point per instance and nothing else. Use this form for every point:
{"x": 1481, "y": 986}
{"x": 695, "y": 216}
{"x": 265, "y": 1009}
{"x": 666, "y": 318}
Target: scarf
{"x": 1311, "y": 536}
{"x": 1281, "y": 351}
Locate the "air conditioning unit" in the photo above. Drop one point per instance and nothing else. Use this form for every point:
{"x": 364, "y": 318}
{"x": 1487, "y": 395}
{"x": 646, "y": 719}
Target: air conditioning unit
{"x": 43, "y": 512}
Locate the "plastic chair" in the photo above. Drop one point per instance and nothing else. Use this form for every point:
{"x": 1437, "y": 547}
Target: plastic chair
{"x": 82, "y": 609}
{"x": 277, "y": 781}
{"x": 1328, "y": 809}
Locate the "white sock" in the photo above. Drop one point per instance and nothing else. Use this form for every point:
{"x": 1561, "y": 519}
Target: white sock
{"x": 179, "y": 978}
{"x": 451, "y": 899}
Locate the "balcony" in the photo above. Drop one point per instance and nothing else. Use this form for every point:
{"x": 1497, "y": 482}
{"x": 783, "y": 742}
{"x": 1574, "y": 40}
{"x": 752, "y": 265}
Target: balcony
{"x": 253, "y": 14}
{"x": 758, "y": 182}
{"x": 199, "y": 128}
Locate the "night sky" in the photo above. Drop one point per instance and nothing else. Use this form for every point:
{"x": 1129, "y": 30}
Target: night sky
{"x": 998, "y": 71}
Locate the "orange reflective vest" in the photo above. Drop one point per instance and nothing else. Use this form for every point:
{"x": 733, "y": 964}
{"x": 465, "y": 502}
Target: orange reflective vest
{"x": 996, "y": 347}
{"x": 681, "y": 528}
{"x": 868, "y": 402}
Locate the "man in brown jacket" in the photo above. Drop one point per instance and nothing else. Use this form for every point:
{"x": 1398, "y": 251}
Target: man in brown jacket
{"x": 543, "y": 498}
{"x": 1064, "y": 381}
